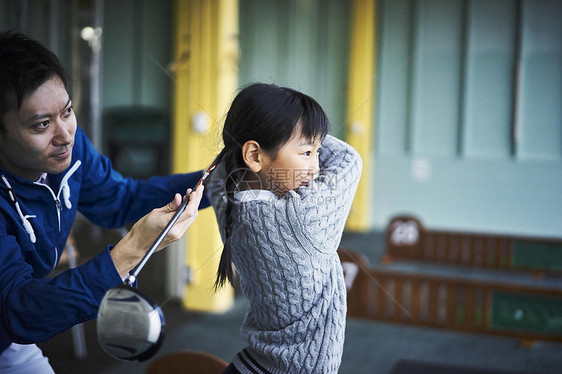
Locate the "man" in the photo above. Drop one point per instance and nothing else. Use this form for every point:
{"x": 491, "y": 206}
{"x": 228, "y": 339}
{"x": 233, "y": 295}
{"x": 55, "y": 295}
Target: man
{"x": 49, "y": 170}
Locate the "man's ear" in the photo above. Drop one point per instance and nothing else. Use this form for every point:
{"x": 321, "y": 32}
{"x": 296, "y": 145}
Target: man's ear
{"x": 251, "y": 155}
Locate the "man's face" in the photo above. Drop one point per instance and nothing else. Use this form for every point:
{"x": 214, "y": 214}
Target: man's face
{"x": 40, "y": 135}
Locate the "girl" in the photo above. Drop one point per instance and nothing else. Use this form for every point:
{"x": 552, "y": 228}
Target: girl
{"x": 282, "y": 204}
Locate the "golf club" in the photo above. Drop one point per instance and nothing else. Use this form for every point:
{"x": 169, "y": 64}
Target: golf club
{"x": 130, "y": 326}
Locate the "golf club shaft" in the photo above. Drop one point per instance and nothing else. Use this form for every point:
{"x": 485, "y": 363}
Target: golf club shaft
{"x": 136, "y": 270}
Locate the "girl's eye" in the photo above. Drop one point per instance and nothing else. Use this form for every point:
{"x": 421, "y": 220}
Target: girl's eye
{"x": 307, "y": 153}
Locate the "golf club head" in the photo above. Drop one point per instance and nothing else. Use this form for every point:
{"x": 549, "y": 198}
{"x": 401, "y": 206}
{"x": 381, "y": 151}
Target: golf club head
{"x": 130, "y": 326}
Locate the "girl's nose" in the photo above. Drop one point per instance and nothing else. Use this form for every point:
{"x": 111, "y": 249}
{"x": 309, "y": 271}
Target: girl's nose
{"x": 315, "y": 168}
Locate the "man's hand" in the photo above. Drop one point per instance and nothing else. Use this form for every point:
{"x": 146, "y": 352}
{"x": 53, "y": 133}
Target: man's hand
{"x": 131, "y": 249}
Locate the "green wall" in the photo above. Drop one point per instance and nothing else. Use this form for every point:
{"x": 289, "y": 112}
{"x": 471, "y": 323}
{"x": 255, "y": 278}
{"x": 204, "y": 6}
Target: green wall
{"x": 468, "y": 101}
{"x": 469, "y": 127}
{"x": 300, "y": 44}
{"x": 137, "y": 49}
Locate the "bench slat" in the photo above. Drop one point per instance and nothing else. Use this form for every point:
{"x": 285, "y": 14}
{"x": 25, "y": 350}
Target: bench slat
{"x": 522, "y": 311}
{"x": 408, "y": 239}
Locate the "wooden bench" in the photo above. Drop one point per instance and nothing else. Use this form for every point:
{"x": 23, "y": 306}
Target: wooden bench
{"x": 481, "y": 299}
{"x": 408, "y": 239}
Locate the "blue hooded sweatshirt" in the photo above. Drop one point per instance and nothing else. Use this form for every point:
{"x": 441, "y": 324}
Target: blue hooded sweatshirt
{"x": 34, "y": 308}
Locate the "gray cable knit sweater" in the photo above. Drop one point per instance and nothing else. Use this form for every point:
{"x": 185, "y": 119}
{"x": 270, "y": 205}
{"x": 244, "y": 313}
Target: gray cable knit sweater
{"x": 284, "y": 250}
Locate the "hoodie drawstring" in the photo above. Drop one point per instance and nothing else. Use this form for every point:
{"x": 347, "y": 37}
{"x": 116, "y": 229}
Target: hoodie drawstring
{"x": 24, "y": 219}
{"x": 65, "y": 188}
{"x": 66, "y": 195}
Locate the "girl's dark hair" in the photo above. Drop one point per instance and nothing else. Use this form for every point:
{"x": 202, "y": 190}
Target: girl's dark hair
{"x": 267, "y": 114}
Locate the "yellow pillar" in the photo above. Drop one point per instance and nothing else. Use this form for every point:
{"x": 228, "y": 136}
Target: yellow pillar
{"x": 206, "y": 68}
{"x": 361, "y": 94}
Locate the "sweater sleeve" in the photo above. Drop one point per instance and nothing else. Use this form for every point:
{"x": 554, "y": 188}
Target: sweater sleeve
{"x": 315, "y": 215}
{"x": 320, "y": 209}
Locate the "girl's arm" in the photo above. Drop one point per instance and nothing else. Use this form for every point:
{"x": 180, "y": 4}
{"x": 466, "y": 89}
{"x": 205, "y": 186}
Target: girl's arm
{"x": 320, "y": 210}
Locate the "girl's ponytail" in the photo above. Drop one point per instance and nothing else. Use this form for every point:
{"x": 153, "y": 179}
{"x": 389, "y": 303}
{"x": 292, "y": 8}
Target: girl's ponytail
{"x": 225, "y": 271}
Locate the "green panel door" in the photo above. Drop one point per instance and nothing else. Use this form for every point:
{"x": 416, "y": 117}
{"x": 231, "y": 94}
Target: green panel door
{"x": 300, "y": 44}
{"x": 469, "y": 115}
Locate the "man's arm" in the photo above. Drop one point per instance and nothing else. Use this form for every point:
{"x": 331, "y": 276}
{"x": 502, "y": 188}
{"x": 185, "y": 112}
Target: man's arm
{"x": 110, "y": 200}
{"x": 33, "y": 310}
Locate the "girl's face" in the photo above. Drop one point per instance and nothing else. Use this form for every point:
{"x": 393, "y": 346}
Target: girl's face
{"x": 296, "y": 165}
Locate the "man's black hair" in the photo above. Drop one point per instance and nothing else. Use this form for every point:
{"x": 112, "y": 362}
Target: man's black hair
{"x": 25, "y": 64}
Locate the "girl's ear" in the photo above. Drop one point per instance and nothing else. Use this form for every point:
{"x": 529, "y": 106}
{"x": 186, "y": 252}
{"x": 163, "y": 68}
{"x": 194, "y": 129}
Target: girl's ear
{"x": 251, "y": 155}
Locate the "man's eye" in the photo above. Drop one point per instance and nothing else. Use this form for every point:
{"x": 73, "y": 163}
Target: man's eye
{"x": 42, "y": 125}
{"x": 68, "y": 111}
